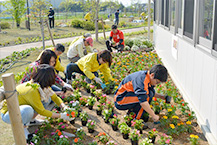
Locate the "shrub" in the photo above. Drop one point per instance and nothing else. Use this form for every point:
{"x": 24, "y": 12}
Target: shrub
{"x": 137, "y": 42}
{"x": 128, "y": 42}
{"x": 76, "y": 23}
{"x": 135, "y": 48}
{"x": 5, "y": 25}
{"x": 122, "y": 24}
{"x": 126, "y": 48}
{"x": 87, "y": 25}
{"x": 148, "y": 43}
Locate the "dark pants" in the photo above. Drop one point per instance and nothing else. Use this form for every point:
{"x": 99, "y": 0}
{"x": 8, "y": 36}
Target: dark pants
{"x": 116, "y": 21}
{"x": 51, "y": 22}
{"x": 73, "y": 67}
{"x": 109, "y": 46}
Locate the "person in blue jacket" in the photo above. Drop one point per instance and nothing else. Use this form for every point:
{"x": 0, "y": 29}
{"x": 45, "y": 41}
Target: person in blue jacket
{"x": 136, "y": 91}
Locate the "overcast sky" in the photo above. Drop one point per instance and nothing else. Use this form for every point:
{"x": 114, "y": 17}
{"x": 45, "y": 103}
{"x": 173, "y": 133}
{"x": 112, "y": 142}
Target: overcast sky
{"x": 128, "y": 2}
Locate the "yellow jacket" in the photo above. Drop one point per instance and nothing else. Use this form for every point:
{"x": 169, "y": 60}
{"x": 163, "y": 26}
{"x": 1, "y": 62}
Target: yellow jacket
{"x": 29, "y": 96}
{"x": 58, "y": 66}
{"x": 89, "y": 64}
{"x": 87, "y": 16}
{"x": 142, "y": 14}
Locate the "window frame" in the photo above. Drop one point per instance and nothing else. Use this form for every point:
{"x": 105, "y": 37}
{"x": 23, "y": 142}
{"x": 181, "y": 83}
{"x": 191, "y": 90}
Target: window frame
{"x": 179, "y": 6}
{"x": 214, "y": 30}
{"x": 173, "y": 28}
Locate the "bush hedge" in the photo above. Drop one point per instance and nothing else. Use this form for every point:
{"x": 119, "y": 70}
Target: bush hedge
{"x": 5, "y": 25}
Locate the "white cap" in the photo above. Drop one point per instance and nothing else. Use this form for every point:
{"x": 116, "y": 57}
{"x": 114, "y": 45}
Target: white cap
{"x": 51, "y": 7}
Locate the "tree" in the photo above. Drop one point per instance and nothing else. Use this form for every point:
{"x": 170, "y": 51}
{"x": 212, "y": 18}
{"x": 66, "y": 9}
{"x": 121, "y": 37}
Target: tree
{"x": 40, "y": 11}
{"x": 17, "y": 9}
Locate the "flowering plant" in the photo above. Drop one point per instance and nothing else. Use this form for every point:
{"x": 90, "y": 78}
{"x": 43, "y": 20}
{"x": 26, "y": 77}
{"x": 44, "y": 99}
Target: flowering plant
{"x": 114, "y": 121}
{"x": 153, "y": 133}
{"x": 63, "y": 140}
{"x": 172, "y": 129}
{"x": 91, "y": 124}
{"x": 76, "y": 141}
{"x": 103, "y": 99}
{"x": 80, "y": 133}
{"x": 111, "y": 143}
{"x": 106, "y": 114}
{"x": 91, "y": 101}
{"x": 110, "y": 105}
{"x": 128, "y": 118}
{"x": 124, "y": 128}
{"x": 146, "y": 141}
{"x": 137, "y": 124}
{"x": 135, "y": 135}
{"x": 83, "y": 101}
{"x": 72, "y": 113}
{"x": 92, "y": 88}
{"x": 97, "y": 93}
{"x": 74, "y": 104}
{"x": 84, "y": 116}
{"x": 103, "y": 137}
{"x": 77, "y": 94}
{"x": 165, "y": 140}
{"x": 93, "y": 143}
{"x": 194, "y": 139}
{"x": 100, "y": 107}
{"x": 61, "y": 126}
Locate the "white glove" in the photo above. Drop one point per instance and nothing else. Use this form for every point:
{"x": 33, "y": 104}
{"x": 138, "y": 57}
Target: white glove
{"x": 65, "y": 117}
{"x": 98, "y": 80}
{"x": 68, "y": 86}
{"x": 65, "y": 107}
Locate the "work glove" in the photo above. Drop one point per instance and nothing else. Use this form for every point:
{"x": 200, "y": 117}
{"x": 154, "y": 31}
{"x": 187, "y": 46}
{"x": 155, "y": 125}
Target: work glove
{"x": 98, "y": 80}
{"x": 65, "y": 117}
{"x": 68, "y": 86}
{"x": 65, "y": 108}
{"x": 168, "y": 99}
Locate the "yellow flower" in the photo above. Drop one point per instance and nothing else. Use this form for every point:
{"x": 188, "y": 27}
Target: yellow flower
{"x": 116, "y": 87}
{"x": 169, "y": 110}
{"x": 172, "y": 126}
{"x": 194, "y": 136}
{"x": 178, "y": 124}
{"x": 113, "y": 79}
{"x": 116, "y": 80}
{"x": 165, "y": 117}
{"x": 102, "y": 77}
{"x": 176, "y": 117}
{"x": 188, "y": 122}
{"x": 107, "y": 83}
{"x": 151, "y": 106}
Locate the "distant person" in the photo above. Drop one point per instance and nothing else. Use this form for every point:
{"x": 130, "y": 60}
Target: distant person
{"x": 78, "y": 49}
{"x": 51, "y": 17}
{"x": 117, "y": 17}
{"x": 118, "y": 38}
{"x": 87, "y": 17}
{"x": 142, "y": 15}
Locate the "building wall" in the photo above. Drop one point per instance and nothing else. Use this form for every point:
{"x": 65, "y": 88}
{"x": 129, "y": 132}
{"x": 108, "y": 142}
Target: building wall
{"x": 195, "y": 74}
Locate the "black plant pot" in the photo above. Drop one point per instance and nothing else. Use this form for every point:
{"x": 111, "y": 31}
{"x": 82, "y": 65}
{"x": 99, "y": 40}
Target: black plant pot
{"x": 97, "y": 98}
{"x": 115, "y": 128}
{"x": 90, "y": 130}
{"x": 99, "y": 112}
{"x": 90, "y": 107}
{"x": 145, "y": 118}
{"x": 106, "y": 120}
{"x": 88, "y": 90}
{"x": 72, "y": 121}
{"x": 128, "y": 123}
{"x": 153, "y": 139}
{"x": 92, "y": 94}
{"x": 125, "y": 136}
{"x": 157, "y": 112}
{"x": 79, "y": 111}
{"x": 140, "y": 131}
{"x": 83, "y": 122}
{"x": 136, "y": 142}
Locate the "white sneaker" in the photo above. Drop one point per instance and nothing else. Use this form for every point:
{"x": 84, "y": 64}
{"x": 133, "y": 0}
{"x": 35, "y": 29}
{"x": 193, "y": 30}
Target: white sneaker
{"x": 35, "y": 122}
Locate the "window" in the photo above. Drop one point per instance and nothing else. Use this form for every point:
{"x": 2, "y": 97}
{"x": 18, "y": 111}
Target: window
{"x": 189, "y": 18}
{"x": 215, "y": 31}
{"x": 180, "y": 18}
{"x": 155, "y": 9}
{"x": 172, "y": 12}
{"x": 207, "y": 19}
{"x": 162, "y": 12}
{"x": 167, "y": 13}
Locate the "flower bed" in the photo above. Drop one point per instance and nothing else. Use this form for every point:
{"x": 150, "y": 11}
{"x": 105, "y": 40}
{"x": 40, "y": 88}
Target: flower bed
{"x": 178, "y": 124}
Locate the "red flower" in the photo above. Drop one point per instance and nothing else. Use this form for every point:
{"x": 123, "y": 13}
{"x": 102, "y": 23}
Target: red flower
{"x": 76, "y": 140}
{"x": 154, "y": 98}
{"x": 154, "y": 129}
{"x": 172, "y": 106}
{"x": 183, "y": 104}
{"x": 189, "y": 114}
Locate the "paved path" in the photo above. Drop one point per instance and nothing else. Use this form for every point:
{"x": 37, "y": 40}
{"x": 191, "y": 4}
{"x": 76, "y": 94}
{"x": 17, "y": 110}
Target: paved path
{"x": 6, "y": 51}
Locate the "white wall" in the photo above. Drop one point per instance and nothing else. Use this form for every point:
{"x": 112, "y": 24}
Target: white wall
{"x": 195, "y": 74}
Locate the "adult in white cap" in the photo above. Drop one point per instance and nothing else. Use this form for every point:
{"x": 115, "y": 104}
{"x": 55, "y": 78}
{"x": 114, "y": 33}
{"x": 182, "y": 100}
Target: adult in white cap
{"x": 78, "y": 49}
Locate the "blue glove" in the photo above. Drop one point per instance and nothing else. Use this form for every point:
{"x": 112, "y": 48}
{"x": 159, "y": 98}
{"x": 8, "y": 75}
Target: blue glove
{"x": 102, "y": 85}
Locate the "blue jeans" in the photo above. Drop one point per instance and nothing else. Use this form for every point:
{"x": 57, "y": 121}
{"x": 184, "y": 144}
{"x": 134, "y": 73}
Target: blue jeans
{"x": 26, "y": 111}
{"x": 73, "y": 67}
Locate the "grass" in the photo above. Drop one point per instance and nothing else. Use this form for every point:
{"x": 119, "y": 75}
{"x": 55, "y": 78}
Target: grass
{"x": 6, "y": 137}
{"x": 13, "y": 33}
